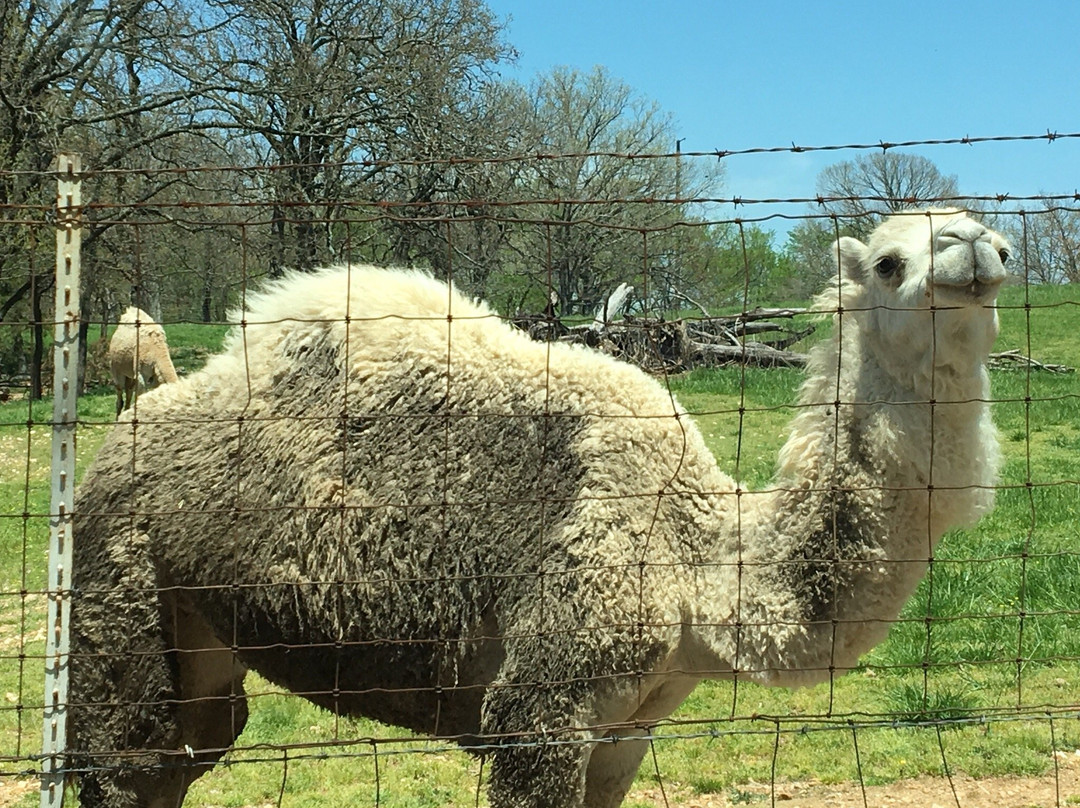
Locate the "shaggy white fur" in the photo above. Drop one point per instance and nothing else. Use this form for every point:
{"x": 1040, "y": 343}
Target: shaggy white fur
{"x": 384, "y": 498}
{"x": 138, "y": 355}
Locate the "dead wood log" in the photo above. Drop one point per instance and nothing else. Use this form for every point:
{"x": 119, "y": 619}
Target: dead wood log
{"x": 1014, "y": 360}
{"x": 612, "y": 307}
{"x": 790, "y": 338}
{"x": 750, "y": 353}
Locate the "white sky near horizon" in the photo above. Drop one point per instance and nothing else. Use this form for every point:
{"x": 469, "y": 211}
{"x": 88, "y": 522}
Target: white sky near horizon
{"x": 769, "y": 73}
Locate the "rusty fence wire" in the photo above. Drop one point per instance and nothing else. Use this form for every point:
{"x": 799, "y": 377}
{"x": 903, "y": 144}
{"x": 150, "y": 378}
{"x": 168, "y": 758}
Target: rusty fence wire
{"x": 399, "y": 547}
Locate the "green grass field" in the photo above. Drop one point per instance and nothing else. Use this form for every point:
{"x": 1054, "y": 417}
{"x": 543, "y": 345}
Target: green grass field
{"x": 990, "y": 640}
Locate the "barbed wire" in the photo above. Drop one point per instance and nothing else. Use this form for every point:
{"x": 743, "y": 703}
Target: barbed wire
{"x": 1049, "y": 137}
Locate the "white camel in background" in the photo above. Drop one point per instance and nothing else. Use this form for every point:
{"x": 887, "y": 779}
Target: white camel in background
{"x": 138, "y": 355}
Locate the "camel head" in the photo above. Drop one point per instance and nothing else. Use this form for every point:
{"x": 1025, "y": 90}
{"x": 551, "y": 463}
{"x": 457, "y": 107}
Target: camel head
{"x": 923, "y": 288}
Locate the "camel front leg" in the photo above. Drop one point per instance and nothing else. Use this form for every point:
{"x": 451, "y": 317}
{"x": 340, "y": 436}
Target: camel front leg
{"x": 613, "y": 764}
{"x": 555, "y": 749}
{"x": 616, "y": 759}
{"x": 538, "y": 762}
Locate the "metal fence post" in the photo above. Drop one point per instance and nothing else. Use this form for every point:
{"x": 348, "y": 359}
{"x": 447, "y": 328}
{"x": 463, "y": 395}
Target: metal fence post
{"x": 65, "y": 392}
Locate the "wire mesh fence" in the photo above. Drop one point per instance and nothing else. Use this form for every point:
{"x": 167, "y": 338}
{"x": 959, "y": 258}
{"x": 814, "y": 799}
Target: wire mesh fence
{"x": 650, "y": 521}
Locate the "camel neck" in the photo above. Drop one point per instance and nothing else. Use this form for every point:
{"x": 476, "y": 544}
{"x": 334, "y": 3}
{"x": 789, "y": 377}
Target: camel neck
{"x": 865, "y": 487}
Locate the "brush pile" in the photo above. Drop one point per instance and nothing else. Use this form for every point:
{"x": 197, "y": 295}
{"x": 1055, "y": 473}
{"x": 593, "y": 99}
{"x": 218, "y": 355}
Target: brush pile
{"x": 761, "y": 337}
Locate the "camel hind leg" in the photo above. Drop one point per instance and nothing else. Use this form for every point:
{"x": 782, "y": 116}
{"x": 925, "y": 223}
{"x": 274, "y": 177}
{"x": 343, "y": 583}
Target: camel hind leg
{"x": 125, "y": 390}
{"x": 212, "y": 709}
{"x": 147, "y": 675}
{"x": 123, "y": 685}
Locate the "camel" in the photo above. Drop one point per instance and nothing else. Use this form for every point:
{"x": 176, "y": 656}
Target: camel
{"x": 138, "y": 355}
{"x": 385, "y": 499}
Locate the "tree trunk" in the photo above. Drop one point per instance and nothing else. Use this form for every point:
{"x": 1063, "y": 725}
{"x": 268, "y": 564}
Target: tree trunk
{"x": 84, "y": 333}
{"x": 306, "y": 250}
{"x": 208, "y": 292}
{"x": 37, "y": 358}
{"x": 14, "y": 299}
{"x": 277, "y": 241}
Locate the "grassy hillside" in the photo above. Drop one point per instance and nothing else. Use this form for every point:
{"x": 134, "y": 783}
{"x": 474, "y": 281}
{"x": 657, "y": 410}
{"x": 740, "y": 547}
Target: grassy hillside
{"x": 993, "y": 633}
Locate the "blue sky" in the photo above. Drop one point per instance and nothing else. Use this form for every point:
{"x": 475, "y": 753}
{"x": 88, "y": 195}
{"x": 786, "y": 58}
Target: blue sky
{"x": 761, "y": 73}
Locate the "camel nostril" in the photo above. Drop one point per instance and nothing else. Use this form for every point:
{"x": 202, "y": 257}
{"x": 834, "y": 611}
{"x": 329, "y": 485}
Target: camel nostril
{"x": 964, "y": 230}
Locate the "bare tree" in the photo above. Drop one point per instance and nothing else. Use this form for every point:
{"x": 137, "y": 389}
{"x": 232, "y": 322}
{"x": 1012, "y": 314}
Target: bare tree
{"x": 601, "y": 193}
{"x": 95, "y": 77}
{"x": 858, "y": 194}
{"x": 322, "y": 83}
{"x": 1048, "y": 241}
{"x": 863, "y": 190}
{"x": 452, "y": 212}
{"x": 146, "y": 87}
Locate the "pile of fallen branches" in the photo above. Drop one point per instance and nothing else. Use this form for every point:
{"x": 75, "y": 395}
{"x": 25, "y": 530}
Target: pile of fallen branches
{"x": 761, "y": 337}
{"x": 755, "y": 337}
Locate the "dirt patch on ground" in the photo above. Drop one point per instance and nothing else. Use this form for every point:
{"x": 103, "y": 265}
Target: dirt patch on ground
{"x": 1056, "y": 789}
{"x": 12, "y": 791}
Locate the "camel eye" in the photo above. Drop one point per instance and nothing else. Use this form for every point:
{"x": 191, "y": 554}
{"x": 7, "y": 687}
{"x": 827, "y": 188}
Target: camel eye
{"x": 1004, "y": 255}
{"x": 887, "y": 266}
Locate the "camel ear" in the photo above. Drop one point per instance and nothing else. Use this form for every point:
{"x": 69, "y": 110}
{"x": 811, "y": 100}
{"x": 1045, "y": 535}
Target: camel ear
{"x": 851, "y": 253}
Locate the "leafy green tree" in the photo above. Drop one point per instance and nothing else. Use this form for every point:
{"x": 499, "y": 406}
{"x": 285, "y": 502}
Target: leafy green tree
{"x": 727, "y": 266}
{"x": 811, "y": 254}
